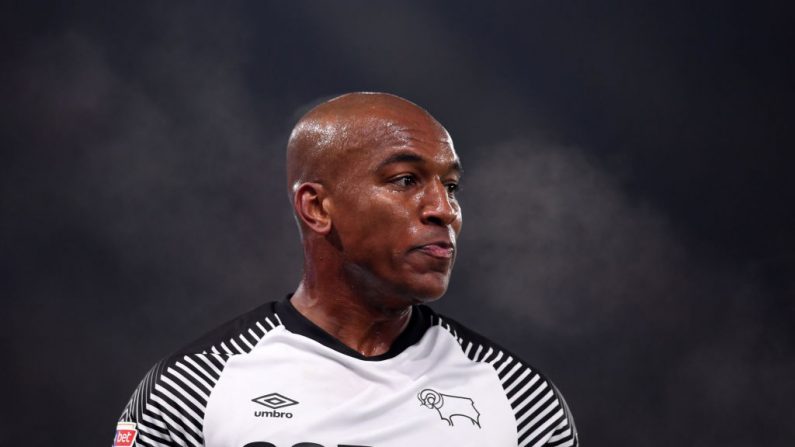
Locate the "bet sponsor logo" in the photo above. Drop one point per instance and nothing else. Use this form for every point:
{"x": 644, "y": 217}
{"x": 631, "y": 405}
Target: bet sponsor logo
{"x": 125, "y": 434}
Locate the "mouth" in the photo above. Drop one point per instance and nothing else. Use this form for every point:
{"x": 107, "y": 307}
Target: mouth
{"x": 437, "y": 249}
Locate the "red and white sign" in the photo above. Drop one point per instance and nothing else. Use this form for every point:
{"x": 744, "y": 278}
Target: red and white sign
{"x": 125, "y": 434}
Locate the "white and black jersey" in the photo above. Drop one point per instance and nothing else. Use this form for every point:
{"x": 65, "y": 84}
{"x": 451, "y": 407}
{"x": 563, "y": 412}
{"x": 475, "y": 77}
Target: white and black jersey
{"x": 272, "y": 378}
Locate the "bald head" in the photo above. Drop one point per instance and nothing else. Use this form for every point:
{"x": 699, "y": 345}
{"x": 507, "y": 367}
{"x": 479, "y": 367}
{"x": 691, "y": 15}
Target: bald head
{"x": 325, "y": 137}
{"x": 372, "y": 178}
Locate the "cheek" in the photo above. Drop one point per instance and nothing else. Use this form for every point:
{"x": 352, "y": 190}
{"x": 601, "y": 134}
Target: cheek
{"x": 374, "y": 223}
{"x": 391, "y": 224}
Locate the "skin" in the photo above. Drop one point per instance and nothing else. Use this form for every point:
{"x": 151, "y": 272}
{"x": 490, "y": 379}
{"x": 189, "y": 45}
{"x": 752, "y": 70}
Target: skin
{"x": 372, "y": 178}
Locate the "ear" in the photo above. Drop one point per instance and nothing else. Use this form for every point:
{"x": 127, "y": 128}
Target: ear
{"x": 311, "y": 206}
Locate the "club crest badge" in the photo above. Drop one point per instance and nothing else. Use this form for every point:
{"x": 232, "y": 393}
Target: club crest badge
{"x": 448, "y": 406}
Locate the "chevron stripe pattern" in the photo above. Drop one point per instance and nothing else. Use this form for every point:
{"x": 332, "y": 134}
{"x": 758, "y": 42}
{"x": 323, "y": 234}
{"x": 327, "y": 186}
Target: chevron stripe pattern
{"x": 168, "y": 405}
{"x": 542, "y": 417}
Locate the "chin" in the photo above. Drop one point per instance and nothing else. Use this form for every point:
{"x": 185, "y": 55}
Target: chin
{"x": 406, "y": 289}
{"x": 427, "y": 291}
{"x": 428, "y": 299}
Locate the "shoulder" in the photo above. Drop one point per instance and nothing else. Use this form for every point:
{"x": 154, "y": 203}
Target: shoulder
{"x": 200, "y": 363}
{"x": 478, "y": 347}
{"x": 168, "y": 405}
{"x": 542, "y": 414}
{"x": 196, "y": 367}
{"x": 237, "y": 336}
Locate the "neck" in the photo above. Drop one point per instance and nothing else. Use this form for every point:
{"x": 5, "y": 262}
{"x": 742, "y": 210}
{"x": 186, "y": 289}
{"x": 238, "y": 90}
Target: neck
{"x": 355, "y": 320}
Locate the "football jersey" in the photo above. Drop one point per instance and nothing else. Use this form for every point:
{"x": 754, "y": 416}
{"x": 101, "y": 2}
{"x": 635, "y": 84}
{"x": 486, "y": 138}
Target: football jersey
{"x": 272, "y": 378}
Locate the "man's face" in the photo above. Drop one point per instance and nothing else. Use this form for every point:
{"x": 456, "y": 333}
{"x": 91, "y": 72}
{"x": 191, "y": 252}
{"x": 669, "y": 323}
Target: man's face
{"x": 395, "y": 213}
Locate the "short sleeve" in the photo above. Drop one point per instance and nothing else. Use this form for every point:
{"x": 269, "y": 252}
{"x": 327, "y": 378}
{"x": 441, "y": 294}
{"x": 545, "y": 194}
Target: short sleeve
{"x": 565, "y": 433}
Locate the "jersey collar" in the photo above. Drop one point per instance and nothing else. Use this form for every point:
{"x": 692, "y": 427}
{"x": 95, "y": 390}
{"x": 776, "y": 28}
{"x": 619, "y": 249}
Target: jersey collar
{"x": 296, "y": 323}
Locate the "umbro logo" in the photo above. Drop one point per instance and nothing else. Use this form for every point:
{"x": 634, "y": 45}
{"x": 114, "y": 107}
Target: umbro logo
{"x": 274, "y": 401}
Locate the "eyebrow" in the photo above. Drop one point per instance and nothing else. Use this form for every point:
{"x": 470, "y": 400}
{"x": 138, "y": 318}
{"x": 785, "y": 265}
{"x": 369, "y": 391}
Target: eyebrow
{"x": 408, "y": 157}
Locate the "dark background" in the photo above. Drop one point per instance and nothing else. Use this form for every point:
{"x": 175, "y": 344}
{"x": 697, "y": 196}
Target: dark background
{"x": 629, "y": 199}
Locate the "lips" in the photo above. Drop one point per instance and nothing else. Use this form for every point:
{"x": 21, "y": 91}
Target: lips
{"x": 439, "y": 249}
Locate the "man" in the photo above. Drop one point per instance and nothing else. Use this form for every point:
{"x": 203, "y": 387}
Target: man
{"x": 354, "y": 357}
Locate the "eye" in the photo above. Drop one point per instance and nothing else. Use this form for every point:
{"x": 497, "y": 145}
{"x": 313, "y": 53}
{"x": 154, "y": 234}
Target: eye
{"x": 405, "y": 180}
{"x": 452, "y": 188}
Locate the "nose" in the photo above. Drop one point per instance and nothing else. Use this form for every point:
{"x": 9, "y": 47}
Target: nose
{"x": 438, "y": 207}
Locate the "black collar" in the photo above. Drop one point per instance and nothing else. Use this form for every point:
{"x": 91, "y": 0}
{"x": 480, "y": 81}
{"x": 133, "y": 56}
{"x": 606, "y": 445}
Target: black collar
{"x": 295, "y": 322}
